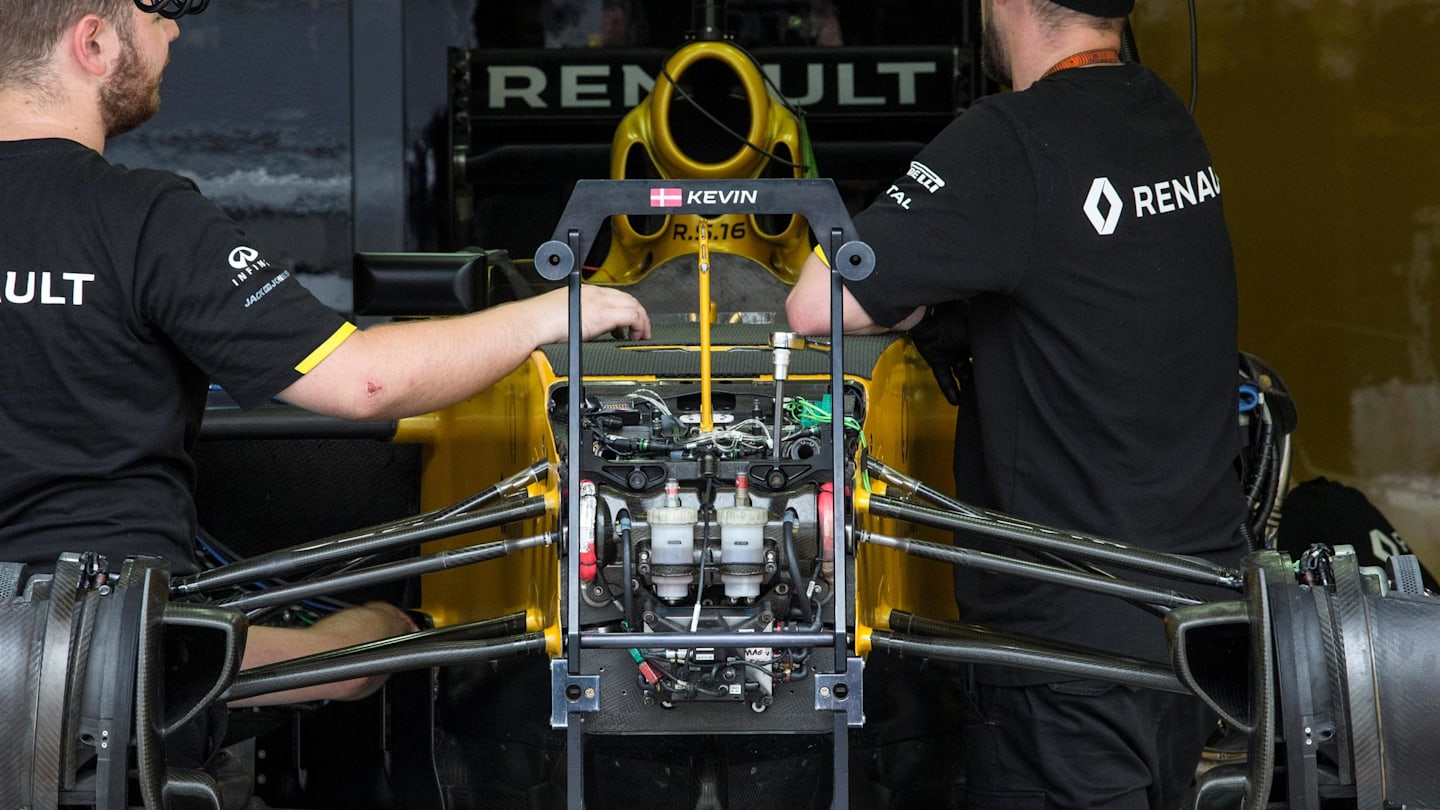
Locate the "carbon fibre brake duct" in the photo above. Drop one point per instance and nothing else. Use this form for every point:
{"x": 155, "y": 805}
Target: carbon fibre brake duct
{"x": 84, "y": 663}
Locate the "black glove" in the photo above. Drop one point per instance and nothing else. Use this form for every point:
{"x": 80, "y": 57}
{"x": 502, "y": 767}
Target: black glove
{"x": 943, "y": 338}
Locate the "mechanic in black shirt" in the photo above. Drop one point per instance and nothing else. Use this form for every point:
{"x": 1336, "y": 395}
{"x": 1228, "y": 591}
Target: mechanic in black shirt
{"x": 123, "y": 293}
{"x": 1079, "y": 221}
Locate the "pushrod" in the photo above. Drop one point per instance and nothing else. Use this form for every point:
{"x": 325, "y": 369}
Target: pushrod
{"x": 1018, "y": 653}
{"x": 388, "y": 572}
{"x": 284, "y": 561}
{"x": 998, "y": 563}
{"x": 301, "y": 672}
{"x": 1035, "y": 537}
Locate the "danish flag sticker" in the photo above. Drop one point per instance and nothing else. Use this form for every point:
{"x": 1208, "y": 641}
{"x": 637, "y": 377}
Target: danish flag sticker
{"x": 664, "y": 197}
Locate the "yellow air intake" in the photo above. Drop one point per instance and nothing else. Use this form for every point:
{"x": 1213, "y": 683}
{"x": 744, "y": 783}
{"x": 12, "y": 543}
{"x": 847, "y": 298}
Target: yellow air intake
{"x": 679, "y": 132}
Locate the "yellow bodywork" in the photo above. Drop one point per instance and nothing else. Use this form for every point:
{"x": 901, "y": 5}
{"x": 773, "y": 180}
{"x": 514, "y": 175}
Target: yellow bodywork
{"x": 774, "y": 131}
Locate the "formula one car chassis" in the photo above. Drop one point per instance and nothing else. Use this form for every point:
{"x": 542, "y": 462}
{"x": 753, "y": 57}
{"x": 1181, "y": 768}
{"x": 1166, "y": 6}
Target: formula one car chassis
{"x": 727, "y": 547}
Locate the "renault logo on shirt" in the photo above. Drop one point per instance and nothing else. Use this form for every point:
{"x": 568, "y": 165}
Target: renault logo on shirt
{"x": 1106, "y": 220}
{"x": 45, "y": 288}
{"x": 1103, "y": 205}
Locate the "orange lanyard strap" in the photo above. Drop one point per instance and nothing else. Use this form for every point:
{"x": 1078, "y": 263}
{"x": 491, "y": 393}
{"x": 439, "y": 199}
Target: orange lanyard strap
{"x": 1100, "y": 56}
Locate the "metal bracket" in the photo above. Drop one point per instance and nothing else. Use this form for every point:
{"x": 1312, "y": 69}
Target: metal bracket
{"x": 571, "y": 693}
{"x": 843, "y": 692}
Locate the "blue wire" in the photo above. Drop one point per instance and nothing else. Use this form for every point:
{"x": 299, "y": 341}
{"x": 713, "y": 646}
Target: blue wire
{"x": 1249, "y": 397}
{"x": 310, "y": 603}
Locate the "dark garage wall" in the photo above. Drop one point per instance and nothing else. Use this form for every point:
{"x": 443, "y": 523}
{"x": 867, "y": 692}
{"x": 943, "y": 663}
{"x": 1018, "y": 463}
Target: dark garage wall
{"x": 258, "y": 105}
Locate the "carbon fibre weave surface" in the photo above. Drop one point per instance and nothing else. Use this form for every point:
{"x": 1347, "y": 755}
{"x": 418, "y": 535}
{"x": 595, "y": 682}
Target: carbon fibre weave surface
{"x": 1359, "y": 679}
{"x": 1335, "y": 672}
{"x": 20, "y": 623}
{"x": 1261, "y": 748}
{"x": 149, "y": 746}
{"x": 83, "y": 634}
{"x": 1405, "y": 634}
{"x": 623, "y": 358}
{"x": 11, "y": 579}
{"x": 53, "y": 686}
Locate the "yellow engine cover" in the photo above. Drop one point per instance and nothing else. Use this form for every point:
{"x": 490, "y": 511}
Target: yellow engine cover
{"x": 646, "y": 147}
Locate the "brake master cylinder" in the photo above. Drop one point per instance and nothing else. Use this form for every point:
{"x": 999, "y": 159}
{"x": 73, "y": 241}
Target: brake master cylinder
{"x": 672, "y": 545}
{"x": 742, "y": 544}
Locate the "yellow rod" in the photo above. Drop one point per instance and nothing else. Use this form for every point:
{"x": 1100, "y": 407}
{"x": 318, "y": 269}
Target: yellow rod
{"x": 707, "y": 414}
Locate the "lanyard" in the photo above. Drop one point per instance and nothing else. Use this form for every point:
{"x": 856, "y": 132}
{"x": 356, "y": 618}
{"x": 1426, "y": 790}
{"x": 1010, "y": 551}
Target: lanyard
{"x": 1100, "y": 56}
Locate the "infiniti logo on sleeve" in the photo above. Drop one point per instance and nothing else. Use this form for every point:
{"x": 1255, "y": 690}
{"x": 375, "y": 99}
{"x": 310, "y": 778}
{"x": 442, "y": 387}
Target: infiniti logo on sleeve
{"x": 247, "y": 262}
{"x": 242, "y": 256}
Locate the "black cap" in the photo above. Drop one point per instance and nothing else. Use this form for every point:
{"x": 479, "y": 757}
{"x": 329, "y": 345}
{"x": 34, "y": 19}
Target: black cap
{"x": 1099, "y": 8}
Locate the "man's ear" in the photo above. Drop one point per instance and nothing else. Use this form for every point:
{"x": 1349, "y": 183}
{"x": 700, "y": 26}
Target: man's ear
{"x": 94, "y": 44}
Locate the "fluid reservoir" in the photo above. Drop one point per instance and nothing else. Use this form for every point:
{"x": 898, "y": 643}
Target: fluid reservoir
{"x": 672, "y": 545}
{"x": 742, "y": 544}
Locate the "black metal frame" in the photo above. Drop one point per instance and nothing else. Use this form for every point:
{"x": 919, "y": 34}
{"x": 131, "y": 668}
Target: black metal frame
{"x": 590, "y": 204}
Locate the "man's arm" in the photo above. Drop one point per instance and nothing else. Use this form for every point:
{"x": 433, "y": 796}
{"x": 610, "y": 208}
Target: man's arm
{"x": 403, "y": 369}
{"x": 371, "y": 621}
{"x": 808, "y": 306}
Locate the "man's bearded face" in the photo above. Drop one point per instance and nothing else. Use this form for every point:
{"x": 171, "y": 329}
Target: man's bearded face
{"x": 132, "y": 95}
{"x": 993, "y": 59}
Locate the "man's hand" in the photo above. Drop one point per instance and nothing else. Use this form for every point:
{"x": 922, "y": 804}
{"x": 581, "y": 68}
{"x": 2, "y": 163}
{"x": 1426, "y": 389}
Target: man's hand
{"x": 606, "y": 309}
{"x": 603, "y": 310}
{"x": 943, "y": 338}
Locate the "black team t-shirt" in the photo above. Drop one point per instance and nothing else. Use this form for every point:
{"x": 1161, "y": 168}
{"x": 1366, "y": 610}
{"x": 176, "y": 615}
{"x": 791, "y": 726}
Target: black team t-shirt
{"x": 1082, "y": 219}
{"x": 123, "y": 295}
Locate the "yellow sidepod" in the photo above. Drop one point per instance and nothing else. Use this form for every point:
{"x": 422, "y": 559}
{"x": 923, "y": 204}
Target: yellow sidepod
{"x": 469, "y": 447}
{"x": 910, "y": 427}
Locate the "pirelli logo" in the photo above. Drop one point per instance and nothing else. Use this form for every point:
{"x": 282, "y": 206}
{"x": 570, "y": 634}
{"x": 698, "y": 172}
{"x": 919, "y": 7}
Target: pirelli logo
{"x": 925, "y": 176}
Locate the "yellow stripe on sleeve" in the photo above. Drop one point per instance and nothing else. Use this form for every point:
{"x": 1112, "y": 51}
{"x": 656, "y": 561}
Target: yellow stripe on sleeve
{"x": 820, "y": 254}
{"x": 324, "y": 349}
